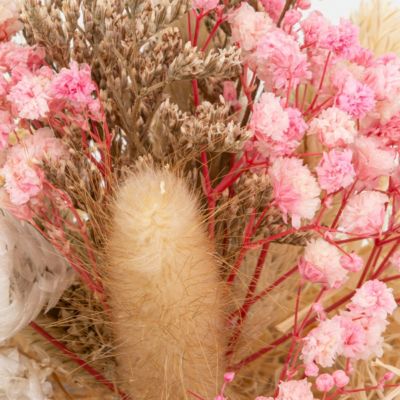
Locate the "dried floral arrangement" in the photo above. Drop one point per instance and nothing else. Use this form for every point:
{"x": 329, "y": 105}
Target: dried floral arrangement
{"x": 199, "y": 201}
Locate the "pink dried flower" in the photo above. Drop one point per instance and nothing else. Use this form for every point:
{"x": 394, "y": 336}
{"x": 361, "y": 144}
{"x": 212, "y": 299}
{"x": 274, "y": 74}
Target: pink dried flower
{"x": 325, "y": 382}
{"x": 321, "y": 264}
{"x": 29, "y": 97}
{"x": 9, "y": 14}
{"x": 364, "y": 213}
{"x": 342, "y": 39}
{"x": 341, "y": 378}
{"x": 248, "y": 26}
{"x": 373, "y": 160}
{"x": 362, "y": 336}
{"x": 269, "y": 119}
{"x": 383, "y": 77}
{"x": 311, "y": 370}
{"x": 75, "y": 86}
{"x": 6, "y": 127}
{"x": 335, "y": 170}
{"x": 353, "y": 97}
{"x": 354, "y": 338}
{"x": 373, "y": 298}
{"x": 323, "y": 343}
{"x": 229, "y": 376}
{"x": 279, "y": 60}
{"x": 291, "y": 18}
{"x": 297, "y": 127}
{"x": 23, "y": 180}
{"x": 278, "y": 131}
{"x": 389, "y": 132}
{"x": 315, "y": 28}
{"x": 15, "y": 57}
{"x": 334, "y": 127}
{"x": 296, "y": 191}
{"x": 22, "y": 172}
{"x": 352, "y": 262}
{"x": 295, "y": 390}
{"x": 205, "y": 5}
{"x": 273, "y": 8}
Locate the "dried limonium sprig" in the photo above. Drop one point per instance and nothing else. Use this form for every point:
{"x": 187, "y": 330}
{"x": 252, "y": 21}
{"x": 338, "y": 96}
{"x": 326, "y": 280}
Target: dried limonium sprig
{"x": 192, "y": 64}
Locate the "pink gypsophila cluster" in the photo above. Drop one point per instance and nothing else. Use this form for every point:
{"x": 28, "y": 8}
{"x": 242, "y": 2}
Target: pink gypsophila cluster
{"x": 352, "y": 262}
{"x": 364, "y": 213}
{"x": 22, "y": 170}
{"x": 75, "y": 86}
{"x": 373, "y": 160}
{"x": 29, "y": 97}
{"x": 295, "y": 390}
{"x": 6, "y": 127}
{"x": 355, "y": 333}
{"x": 279, "y": 60}
{"x": 269, "y": 119}
{"x": 335, "y": 170}
{"x": 273, "y": 8}
{"x": 296, "y": 191}
{"x": 278, "y": 131}
{"x": 321, "y": 263}
{"x": 9, "y": 14}
{"x": 315, "y": 28}
{"x": 374, "y": 298}
{"x": 248, "y": 26}
{"x": 323, "y": 343}
{"x": 333, "y": 127}
{"x": 342, "y": 39}
{"x": 352, "y": 96}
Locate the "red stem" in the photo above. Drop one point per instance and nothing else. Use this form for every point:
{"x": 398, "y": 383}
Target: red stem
{"x": 76, "y": 359}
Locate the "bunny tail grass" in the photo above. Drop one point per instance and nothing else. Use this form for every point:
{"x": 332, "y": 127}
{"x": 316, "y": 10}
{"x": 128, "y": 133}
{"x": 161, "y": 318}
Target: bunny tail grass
{"x": 164, "y": 291}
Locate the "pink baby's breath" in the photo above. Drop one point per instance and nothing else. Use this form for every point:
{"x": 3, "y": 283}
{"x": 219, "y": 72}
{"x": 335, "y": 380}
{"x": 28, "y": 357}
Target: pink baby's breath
{"x": 278, "y": 131}
{"x": 353, "y": 96}
{"x": 374, "y": 298}
{"x": 22, "y": 170}
{"x": 321, "y": 263}
{"x": 325, "y": 382}
{"x": 352, "y": 262}
{"x": 333, "y": 127}
{"x": 323, "y": 343}
{"x": 248, "y": 26}
{"x": 336, "y": 171}
{"x": 9, "y": 14}
{"x": 279, "y": 60}
{"x": 373, "y": 160}
{"x": 341, "y": 379}
{"x": 269, "y": 121}
{"x": 6, "y": 127}
{"x": 295, "y": 390}
{"x": 30, "y": 98}
{"x": 364, "y": 213}
{"x": 273, "y": 8}
{"x": 296, "y": 191}
{"x": 315, "y": 28}
{"x": 342, "y": 39}
{"x": 75, "y": 86}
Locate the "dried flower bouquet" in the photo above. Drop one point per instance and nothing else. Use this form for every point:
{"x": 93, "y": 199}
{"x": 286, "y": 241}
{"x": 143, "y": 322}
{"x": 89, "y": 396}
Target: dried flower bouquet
{"x": 199, "y": 201}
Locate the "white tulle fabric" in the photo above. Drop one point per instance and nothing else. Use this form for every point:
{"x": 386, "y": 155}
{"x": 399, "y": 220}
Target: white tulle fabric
{"x": 22, "y": 378}
{"x": 33, "y": 275}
